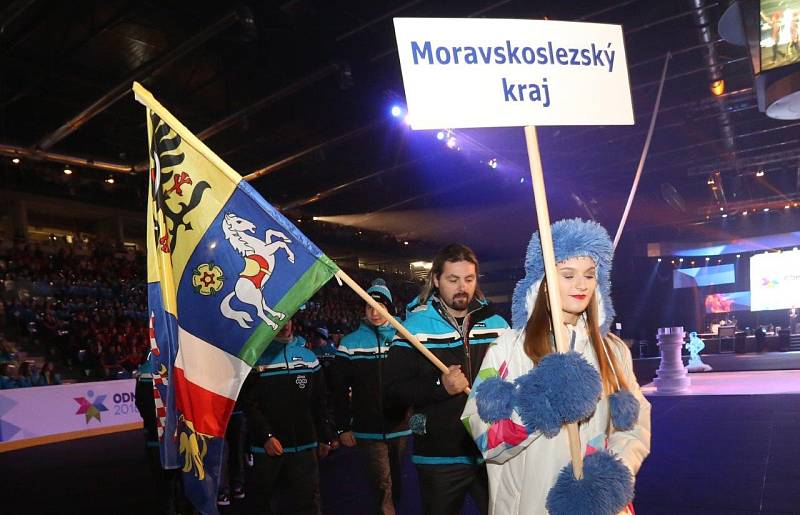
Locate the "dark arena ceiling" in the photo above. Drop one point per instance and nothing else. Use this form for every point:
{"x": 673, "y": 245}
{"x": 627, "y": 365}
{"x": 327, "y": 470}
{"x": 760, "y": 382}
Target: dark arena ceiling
{"x": 300, "y": 90}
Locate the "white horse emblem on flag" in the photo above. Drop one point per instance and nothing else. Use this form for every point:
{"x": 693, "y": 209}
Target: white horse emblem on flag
{"x": 259, "y": 264}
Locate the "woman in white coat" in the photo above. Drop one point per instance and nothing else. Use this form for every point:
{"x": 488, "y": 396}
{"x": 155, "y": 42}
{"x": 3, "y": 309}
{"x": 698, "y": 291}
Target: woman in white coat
{"x": 526, "y": 391}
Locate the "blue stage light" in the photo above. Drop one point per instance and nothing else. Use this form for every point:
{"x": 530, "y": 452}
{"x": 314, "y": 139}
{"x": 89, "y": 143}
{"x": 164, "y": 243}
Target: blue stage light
{"x": 397, "y": 111}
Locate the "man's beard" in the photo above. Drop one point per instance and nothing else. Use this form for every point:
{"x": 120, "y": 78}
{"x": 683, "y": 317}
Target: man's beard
{"x": 460, "y": 302}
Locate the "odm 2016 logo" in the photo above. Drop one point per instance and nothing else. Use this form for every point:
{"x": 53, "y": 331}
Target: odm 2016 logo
{"x": 91, "y": 409}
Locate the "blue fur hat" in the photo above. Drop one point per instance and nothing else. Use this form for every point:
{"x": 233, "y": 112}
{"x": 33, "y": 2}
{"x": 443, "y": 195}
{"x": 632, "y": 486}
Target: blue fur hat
{"x": 571, "y": 238}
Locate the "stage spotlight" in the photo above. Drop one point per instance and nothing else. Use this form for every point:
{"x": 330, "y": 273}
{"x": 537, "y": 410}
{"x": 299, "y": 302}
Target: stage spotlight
{"x": 405, "y": 243}
{"x": 15, "y": 160}
{"x": 452, "y": 142}
{"x": 521, "y": 180}
{"x": 744, "y": 213}
{"x": 710, "y": 181}
{"x": 659, "y": 260}
{"x": 397, "y": 111}
{"x": 719, "y": 260}
{"x": 110, "y": 180}
{"x": 787, "y": 206}
{"x": 673, "y": 261}
{"x": 692, "y": 262}
{"x": 315, "y": 218}
{"x": 738, "y": 256}
{"x": 717, "y": 87}
{"x": 492, "y": 163}
{"x": 722, "y": 209}
{"x": 724, "y": 215}
{"x": 708, "y": 259}
{"x": 766, "y": 209}
{"x": 67, "y": 171}
{"x": 407, "y": 120}
{"x": 680, "y": 260}
{"x": 760, "y": 173}
{"x": 440, "y": 135}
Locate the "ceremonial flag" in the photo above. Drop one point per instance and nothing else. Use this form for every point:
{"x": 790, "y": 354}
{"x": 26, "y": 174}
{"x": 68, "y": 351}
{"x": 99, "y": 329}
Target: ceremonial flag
{"x": 225, "y": 271}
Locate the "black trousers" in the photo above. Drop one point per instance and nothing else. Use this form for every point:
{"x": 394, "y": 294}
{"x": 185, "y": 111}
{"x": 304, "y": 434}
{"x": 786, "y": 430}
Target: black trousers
{"x": 444, "y": 487}
{"x": 232, "y": 469}
{"x": 294, "y": 475}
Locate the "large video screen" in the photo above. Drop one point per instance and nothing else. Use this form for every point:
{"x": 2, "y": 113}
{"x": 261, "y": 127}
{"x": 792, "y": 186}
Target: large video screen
{"x": 703, "y": 276}
{"x": 727, "y": 302}
{"x": 779, "y": 33}
{"x": 775, "y": 281}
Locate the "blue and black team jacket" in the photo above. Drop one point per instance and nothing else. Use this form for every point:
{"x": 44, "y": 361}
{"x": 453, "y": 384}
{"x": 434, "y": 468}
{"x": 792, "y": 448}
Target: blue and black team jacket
{"x": 284, "y": 397}
{"x": 360, "y": 360}
{"x": 413, "y": 380}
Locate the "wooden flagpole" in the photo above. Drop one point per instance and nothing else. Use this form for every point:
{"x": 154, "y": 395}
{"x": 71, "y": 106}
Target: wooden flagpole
{"x": 543, "y": 220}
{"x": 397, "y": 325}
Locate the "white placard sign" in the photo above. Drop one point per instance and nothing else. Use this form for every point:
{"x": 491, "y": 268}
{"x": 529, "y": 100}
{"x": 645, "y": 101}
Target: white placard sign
{"x": 505, "y": 73}
{"x": 50, "y": 410}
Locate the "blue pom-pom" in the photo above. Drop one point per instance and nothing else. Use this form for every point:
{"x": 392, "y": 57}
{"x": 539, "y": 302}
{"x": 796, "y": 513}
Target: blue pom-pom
{"x": 495, "y": 399}
{"x": 563, "y": 388}
{"x": 624, "y": 410}
{"x": 605, "y": 489}
{"x": 534, "y": 407}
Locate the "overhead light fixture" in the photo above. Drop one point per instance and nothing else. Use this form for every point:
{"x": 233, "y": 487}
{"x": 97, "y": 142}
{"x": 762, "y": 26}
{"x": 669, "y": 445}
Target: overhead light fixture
{"x": 659, "y": 260}
{"x": 744, "y": 212}
{"x": 722, "y": 209}
{"x": 760, "y": 173}
{"x": 440, "y": 135}
{"x": 680, "y": 260}
{"x": 710, "y": 181}
{"x": 492, "y": 163}
{"x": 15, "y": 160}
{"x": 397, "y": 111}
{"x": 110, "y": 180}
{"x": 67, "y": 171}
{"x": 766, "y": 209}
{"x": 717, "y": 87}
{"x": 738, "y": 256}
{"x": 452, "y": 142}
{"x": 708, "y": 259}
{"x": 724, "y": 215}
{"x": 787, "y": 206}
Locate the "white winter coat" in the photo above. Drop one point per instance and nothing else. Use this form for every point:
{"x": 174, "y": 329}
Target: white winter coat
{"x": 523, "y": 467}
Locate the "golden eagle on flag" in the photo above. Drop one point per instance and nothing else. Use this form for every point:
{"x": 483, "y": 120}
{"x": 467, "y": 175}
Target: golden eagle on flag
{"x": 225, "y": 271}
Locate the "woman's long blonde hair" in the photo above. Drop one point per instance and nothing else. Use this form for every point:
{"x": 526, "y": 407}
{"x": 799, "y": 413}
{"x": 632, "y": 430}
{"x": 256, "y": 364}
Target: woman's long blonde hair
{"x": 538, "y": 343}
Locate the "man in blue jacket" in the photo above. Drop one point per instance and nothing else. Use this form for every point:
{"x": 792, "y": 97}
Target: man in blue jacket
{"x": 379, "y": 427}
{"x": 454, "y": 321}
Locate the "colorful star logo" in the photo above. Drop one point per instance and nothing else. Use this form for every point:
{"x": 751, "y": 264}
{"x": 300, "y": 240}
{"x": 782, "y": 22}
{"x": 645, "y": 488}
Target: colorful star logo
{"x": 90, "y": 408}
{"x": 769, "y": 283}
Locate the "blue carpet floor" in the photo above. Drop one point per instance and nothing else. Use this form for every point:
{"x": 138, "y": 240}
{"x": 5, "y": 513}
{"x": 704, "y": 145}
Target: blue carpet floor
{"x": 710, "y": 455}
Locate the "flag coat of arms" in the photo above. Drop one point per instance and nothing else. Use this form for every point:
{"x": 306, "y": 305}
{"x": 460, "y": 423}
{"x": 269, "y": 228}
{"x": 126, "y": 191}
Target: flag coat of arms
{"x": 225, "y": 271}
